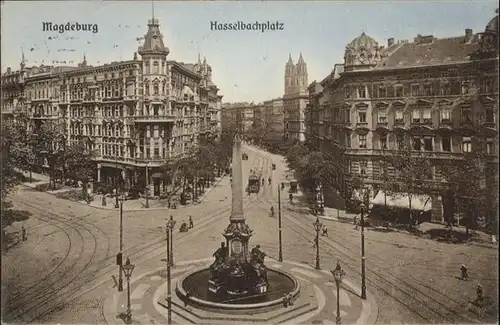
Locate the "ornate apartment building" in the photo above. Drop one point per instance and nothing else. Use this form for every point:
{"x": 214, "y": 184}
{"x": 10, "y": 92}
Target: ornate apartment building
{"x": 295, "y": 99}
{"x": 442, "y": 93}
{"x": 136, "y": 115}
{"x": 238, "y": 116}
{"x": 274, "y": 119}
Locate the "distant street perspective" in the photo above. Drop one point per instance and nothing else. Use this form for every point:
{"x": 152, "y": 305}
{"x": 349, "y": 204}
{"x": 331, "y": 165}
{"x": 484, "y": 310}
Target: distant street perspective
{"x": 133, "y": 193}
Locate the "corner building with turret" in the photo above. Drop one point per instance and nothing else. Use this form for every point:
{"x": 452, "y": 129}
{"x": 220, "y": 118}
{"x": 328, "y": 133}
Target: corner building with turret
{"x": 135, "y": 115}
{"x": 441, "y": 93}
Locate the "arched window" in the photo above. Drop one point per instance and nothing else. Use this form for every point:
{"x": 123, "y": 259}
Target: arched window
{"x": 147, "y": 67}
{"x": 146, "y": 88}
{"x": 156, "y": 88}
{"x": 156, "y": 69}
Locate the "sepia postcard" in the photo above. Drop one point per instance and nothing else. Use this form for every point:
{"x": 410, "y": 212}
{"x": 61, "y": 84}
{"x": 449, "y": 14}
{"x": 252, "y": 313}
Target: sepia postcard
{"x": 249, "y": 162}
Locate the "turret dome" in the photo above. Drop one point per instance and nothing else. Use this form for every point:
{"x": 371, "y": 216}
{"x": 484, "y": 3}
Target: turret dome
{"x": 493, "y": 24}
{"x": 363, "y": 50}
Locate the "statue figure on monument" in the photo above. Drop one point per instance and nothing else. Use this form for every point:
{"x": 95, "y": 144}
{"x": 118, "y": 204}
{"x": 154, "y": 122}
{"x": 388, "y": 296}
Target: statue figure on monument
{"x": 220, "y": 258}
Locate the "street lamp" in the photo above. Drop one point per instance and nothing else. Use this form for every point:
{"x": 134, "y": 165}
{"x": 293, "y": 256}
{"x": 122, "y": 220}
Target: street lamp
{"x": 338, "y": 275}
{"x": 116, "y": 185}
{"x": 280, "y": 252}
{"x": 317, "y": 226}
{"x": 170, "y": 227}
{"x": 128, "y": 269}
{"x": 147, "y": 187}
{"x": 363, "y": 285}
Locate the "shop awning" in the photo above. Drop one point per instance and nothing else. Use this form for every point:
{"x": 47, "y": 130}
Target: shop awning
{"x": 400, "y": 200}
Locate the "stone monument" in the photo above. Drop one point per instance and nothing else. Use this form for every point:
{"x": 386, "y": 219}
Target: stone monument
{"x": 236, "y": 271}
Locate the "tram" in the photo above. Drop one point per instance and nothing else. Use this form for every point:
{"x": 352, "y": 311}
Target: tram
{"x": 253, "y": 183}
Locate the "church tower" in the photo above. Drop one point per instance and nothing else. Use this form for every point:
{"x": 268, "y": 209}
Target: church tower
{"x": 289, "y": 75}
{"x": 301, "y": 74}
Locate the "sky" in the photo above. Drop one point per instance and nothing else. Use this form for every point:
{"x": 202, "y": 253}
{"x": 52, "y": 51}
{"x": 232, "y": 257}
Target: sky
{"x": 247, "y": 65}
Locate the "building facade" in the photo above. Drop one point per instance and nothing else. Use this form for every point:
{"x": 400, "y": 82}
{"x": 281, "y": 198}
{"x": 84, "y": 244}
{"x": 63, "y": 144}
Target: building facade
{"x": 274, "y": 119}
{"x": 238, "y": 116}
{"x": 136, "y": 115}
{"x": 441, "y": 93}
{"x": 295, "y": 99}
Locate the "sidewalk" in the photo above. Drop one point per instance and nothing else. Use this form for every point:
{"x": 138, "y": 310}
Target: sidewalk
{"x": 129, "y": 205}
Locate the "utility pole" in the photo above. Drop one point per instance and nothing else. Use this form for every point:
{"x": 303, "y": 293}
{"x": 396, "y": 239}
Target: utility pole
{"x": 169, "y": 287}
{"x": 147, "y": 188}
{"x": 120, "y": 275}
{"x": 280, "y": 253}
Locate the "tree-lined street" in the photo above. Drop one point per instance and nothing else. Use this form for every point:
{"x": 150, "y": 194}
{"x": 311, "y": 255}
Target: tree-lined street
{"x": 69, "y": 257}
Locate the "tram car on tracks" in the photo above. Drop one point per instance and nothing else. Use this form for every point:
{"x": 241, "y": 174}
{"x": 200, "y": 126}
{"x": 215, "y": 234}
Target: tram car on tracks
{"x": 253, "y": 183}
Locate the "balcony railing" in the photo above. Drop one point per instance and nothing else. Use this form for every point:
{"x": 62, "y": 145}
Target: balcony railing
{"x": 153, "y": 118}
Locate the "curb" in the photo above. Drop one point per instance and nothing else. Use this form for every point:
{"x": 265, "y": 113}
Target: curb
{"x": 33, "y": 186}
{"x": 110, "y": 313}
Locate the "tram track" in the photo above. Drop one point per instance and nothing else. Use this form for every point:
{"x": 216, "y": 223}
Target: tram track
{"x": 144, "y": 250}
{"x": 404, "y": 287}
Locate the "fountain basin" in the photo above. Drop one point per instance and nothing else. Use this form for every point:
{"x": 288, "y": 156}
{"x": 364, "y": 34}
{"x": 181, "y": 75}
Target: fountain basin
{"x": 196, "y": 283}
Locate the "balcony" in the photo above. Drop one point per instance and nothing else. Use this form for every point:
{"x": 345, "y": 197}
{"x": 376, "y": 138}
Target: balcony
{"x": 130, "y": 98}
{"x": 92, "y": 99}
{"x": 154, "y": 118}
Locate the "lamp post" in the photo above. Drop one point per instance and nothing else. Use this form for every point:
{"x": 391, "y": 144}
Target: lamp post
{"x": 128, "y": 269}
{"x": 317, "y": 226}
{"x": 116, "y": 185}
{"x": 338, "y": 275}
{"x": 280, "y": 252}
{"x": 363, "y": 283}
{"x": 147, "y": 188}
{"x": 120, "y": 274}
{"x": 170, "y": 226}
{"x": 172, "y": 223}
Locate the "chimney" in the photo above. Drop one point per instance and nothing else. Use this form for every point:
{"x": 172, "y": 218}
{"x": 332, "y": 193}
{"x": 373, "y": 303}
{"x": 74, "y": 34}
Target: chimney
{"x": 390, "y": 42}
{"x": 468, "y": 33}
{"x": 8, "y": 70}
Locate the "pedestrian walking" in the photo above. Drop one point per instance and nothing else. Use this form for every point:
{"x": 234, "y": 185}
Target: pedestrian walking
{"x": 23, "y": 233}
{"x": 356, "y": 222}
{"x": 324, "y": 231}
{"x": 191, "y": 223}
{"x": 479, "y": 292}
{"x": 463, "y": 271}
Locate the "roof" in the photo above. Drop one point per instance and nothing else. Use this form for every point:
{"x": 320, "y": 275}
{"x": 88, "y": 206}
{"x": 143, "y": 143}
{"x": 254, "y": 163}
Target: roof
{"x": 153, "y": 40}
{"x": 430, "y": 51}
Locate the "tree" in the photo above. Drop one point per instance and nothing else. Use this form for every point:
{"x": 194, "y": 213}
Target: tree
{"x": 471, "y": 194}
{"x": 12, "y": 156}
{"x": 78, "y": 163}
{"x": 412, "y": 169}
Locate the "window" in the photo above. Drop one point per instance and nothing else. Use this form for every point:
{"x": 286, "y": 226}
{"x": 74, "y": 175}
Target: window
{"x": 362, "y": 141}
{"x": 347, "y": 115}
{"x": 362, "y": 117}
{"x": 361, "y": 92}
{"x": 466, "y": 144}
{"x": 428, "y": 144}
{"x": 156, "y": 69}
{"x": 446, "y": 144}
{"x": 416, "y": 115}
{"x": 455, "y": 87}
{"x": 157, "y": 152}
{"x": 146, "y": 89}
{"x": 445, "y": 114}
{"x": 147, "y": 67}
{"x": 155, "y": 89}
{"x": 383, "y": 142}
{"x": 382, "y": 93}
{"x": 466, "y": 114}
{"x": 445, "y": 89}
{"x": 487, "y": 85}
{"x": 490, "y": 115}
{"x": 347, "y": 92}
{"x": 417, "y": 144}
{"x": 427, "y": 115}
{"x": 489, "y": 146}
{"x": 427, "y": 90}
{"x": 465, "y": 86}
{"x": 399, "y": 115}
{"x": 363, "y": 166}
{"x": 414, "y": 90}
{"x": 382, "y": 115}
